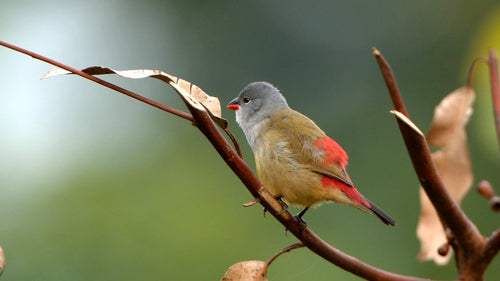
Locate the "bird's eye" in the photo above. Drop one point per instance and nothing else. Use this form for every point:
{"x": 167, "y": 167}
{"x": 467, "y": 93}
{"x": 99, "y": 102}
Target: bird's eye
{"x": 246, "y": 100}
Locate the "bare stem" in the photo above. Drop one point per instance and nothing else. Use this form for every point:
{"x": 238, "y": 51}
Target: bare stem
{"x": 418, "y": 149}
{"x": 235, "y": 142}
{"x": 174, "y": 111}
{"x": 391, "y": 83}
{"x": 448, "y": 210}
{"x": 472, "y": 70}
{"x": 467, "y": 240}
{"x": 263, "y": 270}
{"x": 492, "y": 246}
{"x": 495, "y": 88}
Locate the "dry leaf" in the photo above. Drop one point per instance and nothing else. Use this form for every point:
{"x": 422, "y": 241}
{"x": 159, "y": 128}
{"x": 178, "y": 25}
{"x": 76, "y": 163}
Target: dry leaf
{"x": 189, "y": 92}
{"x": 2, "y": 261}
{"x": 245, "y": 271}
{"x": 453, "y": 163}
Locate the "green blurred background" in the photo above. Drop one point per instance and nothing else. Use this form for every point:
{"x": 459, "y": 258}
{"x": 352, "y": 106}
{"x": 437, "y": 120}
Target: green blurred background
{"x": 97, "y": 186}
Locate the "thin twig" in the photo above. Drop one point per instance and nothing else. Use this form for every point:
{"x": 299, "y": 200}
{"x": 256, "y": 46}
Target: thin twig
{"x": 235, "y": 142}
{"x": 174, "y": 111}
{"x": 495, "y": 88}
{"x": 391, "y": 83}
{"x": 263, "y": 270}
{"x": 472, "y": 70}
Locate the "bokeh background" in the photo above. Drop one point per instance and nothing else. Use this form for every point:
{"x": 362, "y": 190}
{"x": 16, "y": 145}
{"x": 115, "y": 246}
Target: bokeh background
{"x": 97, "y": 186}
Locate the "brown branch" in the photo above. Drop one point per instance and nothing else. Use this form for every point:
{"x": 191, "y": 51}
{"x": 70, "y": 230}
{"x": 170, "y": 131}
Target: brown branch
{"x": 466, "y": 240}
{"x": 305, "y": 235}
{"x": 492, "y": 246}
{"x": 495, "y": 88}
{"x": 472, "y": 71}
{"x": 235, "y": 142}
{"x": 418, "y": 149}
{"x": 391, "y": 83}
{"x": 206, "y": 125}
{"x": 420, "y": 155}
{"x": 448, "y": 210}
{"x": 174, "y": 111}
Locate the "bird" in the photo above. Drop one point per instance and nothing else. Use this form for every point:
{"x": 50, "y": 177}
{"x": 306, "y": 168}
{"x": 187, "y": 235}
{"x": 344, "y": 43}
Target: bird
{"x": 295, "y": 160}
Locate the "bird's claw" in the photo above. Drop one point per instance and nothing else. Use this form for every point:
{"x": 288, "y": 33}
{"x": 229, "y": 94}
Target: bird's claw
{"x": 284, "y": 207}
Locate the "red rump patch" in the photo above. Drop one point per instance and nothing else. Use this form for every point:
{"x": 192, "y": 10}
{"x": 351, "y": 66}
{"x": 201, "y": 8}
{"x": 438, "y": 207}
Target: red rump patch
{"x": 334, "y": 152}
{"x": 349, "y": 191}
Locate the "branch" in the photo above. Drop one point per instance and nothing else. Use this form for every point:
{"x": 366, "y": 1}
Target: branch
{"x": 174, "y": 111}
{"x": 495, "y": 88}
{"x": 467, "y": 239}
{"x": 263, "y": 270}
{"x": 492, "y": 246}
{"x": 305, "y": 235}
{"x": 205, "y": 124}
{"x": 390, "y": 82}
{"x": 448, "y": 210}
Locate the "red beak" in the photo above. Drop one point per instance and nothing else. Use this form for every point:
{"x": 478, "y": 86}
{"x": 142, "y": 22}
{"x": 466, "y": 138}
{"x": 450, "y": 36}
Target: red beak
{"x": 234, "y": 105}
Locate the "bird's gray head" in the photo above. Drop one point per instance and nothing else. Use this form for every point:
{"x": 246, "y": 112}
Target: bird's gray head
{"x": 256, "y": 102}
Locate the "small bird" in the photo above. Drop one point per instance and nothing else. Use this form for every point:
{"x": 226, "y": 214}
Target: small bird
{"x": 295, "y": 159}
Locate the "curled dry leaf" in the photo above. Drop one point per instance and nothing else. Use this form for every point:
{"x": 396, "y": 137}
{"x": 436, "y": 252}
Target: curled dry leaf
{"x": 245, "y": 271}
{"x": 2, "y": 261}
{"x": 453, "y": 163}
{"x": 190, "y": 93}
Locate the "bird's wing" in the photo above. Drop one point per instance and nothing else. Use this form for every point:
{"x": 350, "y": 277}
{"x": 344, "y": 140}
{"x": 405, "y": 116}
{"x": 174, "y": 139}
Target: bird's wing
{"x": 330, "y": 159}
{"x": 321, "y": 154}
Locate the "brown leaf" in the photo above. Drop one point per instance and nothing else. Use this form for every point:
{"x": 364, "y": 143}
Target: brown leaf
{"x": 190, "y": 93}
{"x": 245, "y": 271}
{"x": 2, "y": 261}
{"x": 453, "y": 164}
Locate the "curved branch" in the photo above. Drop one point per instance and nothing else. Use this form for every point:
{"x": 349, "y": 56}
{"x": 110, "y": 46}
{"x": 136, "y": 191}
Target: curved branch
{"x": 263, "y": 270}
{"x": 305, "y": 235}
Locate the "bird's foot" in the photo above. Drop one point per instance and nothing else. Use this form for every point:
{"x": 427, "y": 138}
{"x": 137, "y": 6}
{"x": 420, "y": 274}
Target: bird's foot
{"x": 298, "y": 216}
{"x": 301, "y": 221}
{"x": 284, "y": 206}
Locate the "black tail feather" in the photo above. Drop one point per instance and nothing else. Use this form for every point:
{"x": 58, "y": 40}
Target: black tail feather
{"x": 383, "y": 216}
